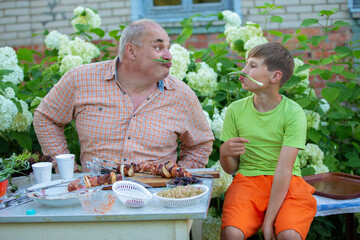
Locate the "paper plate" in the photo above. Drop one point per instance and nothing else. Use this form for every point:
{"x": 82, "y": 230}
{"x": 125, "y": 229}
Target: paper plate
{"x": 56, "y": 196}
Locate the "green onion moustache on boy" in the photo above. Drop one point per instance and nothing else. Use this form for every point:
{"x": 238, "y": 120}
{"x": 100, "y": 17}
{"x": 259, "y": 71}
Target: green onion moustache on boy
{"x": 245, "y": 75}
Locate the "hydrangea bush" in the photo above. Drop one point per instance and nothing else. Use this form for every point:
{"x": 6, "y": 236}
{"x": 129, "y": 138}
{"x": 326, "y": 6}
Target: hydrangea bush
{"x": 333, "y": 131}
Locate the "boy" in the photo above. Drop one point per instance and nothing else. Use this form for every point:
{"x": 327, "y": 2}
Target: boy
{"x": 262, "y": 135}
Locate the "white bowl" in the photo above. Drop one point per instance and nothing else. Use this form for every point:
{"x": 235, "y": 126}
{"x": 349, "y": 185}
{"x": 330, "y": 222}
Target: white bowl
{"x": 182, "y": 202}
{"x": 131, "y": 194}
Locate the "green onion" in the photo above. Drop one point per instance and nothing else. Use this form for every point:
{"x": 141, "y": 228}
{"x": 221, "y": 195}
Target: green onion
{"x": 162, "y": 60}
{"x": 245, "y": 75}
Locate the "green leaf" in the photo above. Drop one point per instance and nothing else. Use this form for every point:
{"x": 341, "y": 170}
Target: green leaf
{"x": 331, "y": 163}
{"x": 330, "y": 94}
{"x": 316, "y": 40}
{"x": 326, "y": 12}
{"x": 326, "y": 74}
{"x": 356, "y": 53}
{"x": 113, "y": 33}
{"x": 354, "y": 160}
{"x": 286, "y": 38}
{"x": 98, "y": 31}
{"x": 309, "y": 22}
{"x": 337, "y": 68}
{"x": 326, "y": 61}
{"x": 344, "y": 94}
{"x": 277, "y": 19}
{"x": 302, "y": 37}
{"x": 303, "y": 102}
{"x": 17, "y": 104}
{"x": 24, "y": 139}
{"x": 314, "y": 135}
{"x": 344, "y": 50}
{"x": 263, "y": 12}
{"x": 4, "y": 145}
{"x": 341, "y": 23}
{"x": 25, "y": 54}
{"x": 302, "y": 68}
{"x": 343, "y": 132}
{"x": 348, "y": 74}
{"x": 357, "y": 132}
{"x": 220, "y": 16}
{"x": 276, "y": 33}
{"x": 307, "y": 171}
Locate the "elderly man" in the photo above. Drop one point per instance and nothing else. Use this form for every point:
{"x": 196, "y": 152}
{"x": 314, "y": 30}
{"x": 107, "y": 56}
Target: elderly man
{"x": 128, "y": 109}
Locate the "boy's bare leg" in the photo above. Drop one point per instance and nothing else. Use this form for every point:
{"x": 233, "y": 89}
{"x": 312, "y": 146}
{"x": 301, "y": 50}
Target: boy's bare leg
{"x": 288, "y": 234}
{"x": 232, "y": 233}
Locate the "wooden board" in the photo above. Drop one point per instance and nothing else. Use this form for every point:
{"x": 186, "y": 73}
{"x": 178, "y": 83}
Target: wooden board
{"x": 158, "y": 181}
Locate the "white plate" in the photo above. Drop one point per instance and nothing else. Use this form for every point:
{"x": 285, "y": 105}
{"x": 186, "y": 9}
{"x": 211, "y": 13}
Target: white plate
{"x": 56, "y": 196}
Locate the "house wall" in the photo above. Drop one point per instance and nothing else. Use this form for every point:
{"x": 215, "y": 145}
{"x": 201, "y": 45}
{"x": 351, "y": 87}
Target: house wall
{"x": 20, "y": 19}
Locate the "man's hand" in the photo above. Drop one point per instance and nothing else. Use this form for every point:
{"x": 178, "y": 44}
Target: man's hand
{"x": 234, "y": 147}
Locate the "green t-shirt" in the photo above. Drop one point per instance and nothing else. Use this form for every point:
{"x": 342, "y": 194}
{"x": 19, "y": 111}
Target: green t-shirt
{"x": 267, "y": 132}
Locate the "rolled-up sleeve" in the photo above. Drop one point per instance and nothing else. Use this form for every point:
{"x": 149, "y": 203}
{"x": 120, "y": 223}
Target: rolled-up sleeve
{"x": 197, "y": 140}
{"x": 53, "y": 113}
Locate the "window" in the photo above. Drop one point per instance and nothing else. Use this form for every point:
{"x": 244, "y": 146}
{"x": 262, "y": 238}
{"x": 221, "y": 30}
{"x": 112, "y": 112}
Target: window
{"x": 354, "y": 5}
{"x": 175, "y": 10}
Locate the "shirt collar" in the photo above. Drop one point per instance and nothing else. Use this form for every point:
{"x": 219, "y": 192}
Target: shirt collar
{"x": 112, "y": 74}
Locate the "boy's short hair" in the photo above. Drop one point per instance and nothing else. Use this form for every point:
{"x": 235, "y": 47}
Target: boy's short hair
{"x": 276, "y": 57}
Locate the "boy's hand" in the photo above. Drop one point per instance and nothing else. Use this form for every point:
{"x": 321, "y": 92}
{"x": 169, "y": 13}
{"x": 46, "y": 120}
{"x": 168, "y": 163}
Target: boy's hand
{"x": 268, "y": 232}
{"x": 234, "y": 147}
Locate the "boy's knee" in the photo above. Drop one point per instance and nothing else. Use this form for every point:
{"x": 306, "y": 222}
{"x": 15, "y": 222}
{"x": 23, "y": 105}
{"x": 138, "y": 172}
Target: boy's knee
{"x": 289, "y": 235}
{"x": 231, "y": 232}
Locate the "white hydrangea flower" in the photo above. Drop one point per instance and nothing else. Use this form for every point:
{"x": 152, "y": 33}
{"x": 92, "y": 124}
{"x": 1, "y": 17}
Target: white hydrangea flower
{"x": 218, "y": 66}
{"x": 253, "y": 42}
{"x": 320, "y": 168}
{"x": 218, "y": 121}
{"x": 8, "y": 58}
{"x": 16, "y": 76}
{"x": 52, "y": 40}
{"x": 324, "y": 105}
{"x": 78, "y": 47}
{"x": 313, "y": 119}
{"x": 70, "y": 61}
{"x": 244, "y": 33}
{"x": 232, "y": 19}
{"x": 211, "y": 226}
{"x": 8, "y": 111}
{"x": 86, "y": 16}
{"x": 312, "y": 155}
{"x": 222, "y": 183}
{"x": 180, "y": 61}
{"x": 204, "y": 80}
{"x": 23, "y": 120}
{"x": 9, "y": 93}
{"x": 207, "y": 117}
{"x": 303, "y": 74}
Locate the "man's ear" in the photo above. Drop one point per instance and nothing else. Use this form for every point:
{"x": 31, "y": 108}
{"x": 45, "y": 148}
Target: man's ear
{"x": 130, "y": 51}
{"x": 276, "y": 77}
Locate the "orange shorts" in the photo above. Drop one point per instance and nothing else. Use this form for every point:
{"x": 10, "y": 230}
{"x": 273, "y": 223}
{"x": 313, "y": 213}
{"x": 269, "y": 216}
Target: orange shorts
{"x": 247, "y": 199}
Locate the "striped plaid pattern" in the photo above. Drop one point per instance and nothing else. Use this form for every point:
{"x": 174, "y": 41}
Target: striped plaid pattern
{"x": 110, "y": 129}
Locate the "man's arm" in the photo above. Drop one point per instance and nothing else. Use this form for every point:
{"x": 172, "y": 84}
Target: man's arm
{"x": 197, "y": 139}
{"x": 53, "y": 113}
{"x": 279, "y": 189}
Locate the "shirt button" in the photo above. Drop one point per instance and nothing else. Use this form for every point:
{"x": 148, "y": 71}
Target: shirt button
{"x": 134, "y": 115}
{"x": 100, "y": 108}
{"x": 125, "y": 159}
{"x": 129, "y": 138}
{"x": 148, "y": 98}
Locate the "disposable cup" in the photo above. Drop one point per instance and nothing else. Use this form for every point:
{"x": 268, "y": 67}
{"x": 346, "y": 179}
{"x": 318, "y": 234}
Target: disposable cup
{"x": 42, "y": 172}
{"x": 65, "y": 163}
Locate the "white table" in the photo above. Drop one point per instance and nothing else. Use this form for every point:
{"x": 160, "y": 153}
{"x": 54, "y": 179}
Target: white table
{"x": 327, "y": 206}
{"x": 150, "y": 222}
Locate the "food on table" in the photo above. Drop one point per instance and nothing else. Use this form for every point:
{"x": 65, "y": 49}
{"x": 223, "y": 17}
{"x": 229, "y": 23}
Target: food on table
{"x": 183, "y": 181}
{"x": 94, "y": 181}
{"x": 181, "y": 192}
{"x": 167, "y": 170}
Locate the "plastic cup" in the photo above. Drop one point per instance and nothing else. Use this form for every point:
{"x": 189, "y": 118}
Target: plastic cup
{"x": 42, "y": 172}
{"x": 65, "y": 163}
